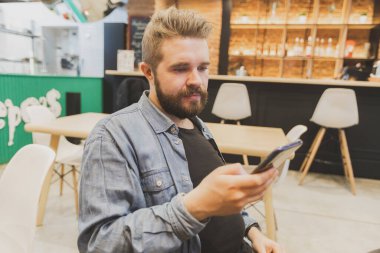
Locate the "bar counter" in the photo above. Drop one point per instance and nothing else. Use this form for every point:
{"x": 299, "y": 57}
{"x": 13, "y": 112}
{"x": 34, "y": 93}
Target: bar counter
{"x": 286, "y": 102}
{"x": 327, "y": 82}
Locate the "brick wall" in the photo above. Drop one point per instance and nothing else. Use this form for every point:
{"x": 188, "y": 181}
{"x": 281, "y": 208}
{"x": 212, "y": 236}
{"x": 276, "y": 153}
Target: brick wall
{"x": 140, "y": 7}
{"x": 212, "y": 10}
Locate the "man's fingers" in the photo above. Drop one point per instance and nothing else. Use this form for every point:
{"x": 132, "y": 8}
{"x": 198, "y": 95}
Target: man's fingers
{"x": 230, "y": 169}
{"x": 255, "y": 180}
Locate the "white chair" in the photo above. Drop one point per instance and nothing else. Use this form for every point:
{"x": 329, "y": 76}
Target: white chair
{"x": 68, "y": 154}
{"x": 232, "y": 103}
{"x": 20, "y": 188}
{"x": 294, "y": 134}
{"x": 337, "y": 108}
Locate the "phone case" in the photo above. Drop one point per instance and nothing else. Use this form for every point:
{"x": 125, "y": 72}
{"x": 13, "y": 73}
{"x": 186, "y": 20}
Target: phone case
{"x": 278, "y": 156}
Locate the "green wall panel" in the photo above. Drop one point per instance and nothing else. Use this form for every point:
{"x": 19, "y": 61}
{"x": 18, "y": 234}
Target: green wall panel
{"x": 20, "y": 87}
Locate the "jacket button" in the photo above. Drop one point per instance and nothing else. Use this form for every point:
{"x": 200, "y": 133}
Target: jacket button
{"x": 159, "y": 183}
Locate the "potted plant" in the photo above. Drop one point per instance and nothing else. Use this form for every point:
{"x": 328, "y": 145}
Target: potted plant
{"x": 302, "y": 17}
{"x": 363, "y": 18}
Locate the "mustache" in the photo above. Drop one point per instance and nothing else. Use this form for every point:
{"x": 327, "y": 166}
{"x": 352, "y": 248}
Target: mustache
{"x": 193, "y": 90}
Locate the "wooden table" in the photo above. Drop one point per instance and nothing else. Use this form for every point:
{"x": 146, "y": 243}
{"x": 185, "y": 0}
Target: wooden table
{"x": 79, "y": 125}
{"x": 252, "y": 141}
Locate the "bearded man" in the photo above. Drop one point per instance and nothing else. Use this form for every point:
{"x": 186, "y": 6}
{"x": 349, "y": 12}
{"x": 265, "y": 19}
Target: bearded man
{"x": 153, "y": 178}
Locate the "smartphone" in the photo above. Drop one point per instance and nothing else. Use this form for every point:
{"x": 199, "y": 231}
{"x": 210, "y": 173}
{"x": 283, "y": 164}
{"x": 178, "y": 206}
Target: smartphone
{"x": 278, "y": 156}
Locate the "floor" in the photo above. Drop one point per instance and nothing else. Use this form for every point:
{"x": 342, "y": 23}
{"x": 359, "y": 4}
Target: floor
{"x": 320, "y": 216}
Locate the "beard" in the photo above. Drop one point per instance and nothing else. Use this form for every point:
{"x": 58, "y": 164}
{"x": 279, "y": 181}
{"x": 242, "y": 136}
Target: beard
{"x": 173, "y": 104}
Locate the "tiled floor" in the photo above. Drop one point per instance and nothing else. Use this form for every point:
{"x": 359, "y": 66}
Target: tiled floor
{"x": 320, "y": 216}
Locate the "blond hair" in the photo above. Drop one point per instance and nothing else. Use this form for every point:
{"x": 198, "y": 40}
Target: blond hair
{"x": 171, "y": 23}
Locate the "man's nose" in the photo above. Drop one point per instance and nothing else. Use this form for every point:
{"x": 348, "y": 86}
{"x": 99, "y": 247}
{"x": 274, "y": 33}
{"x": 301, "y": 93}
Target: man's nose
{"x": 194, "y": 78}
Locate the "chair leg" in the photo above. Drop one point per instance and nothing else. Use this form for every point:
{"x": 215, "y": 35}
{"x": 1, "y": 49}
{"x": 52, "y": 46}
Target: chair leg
{"x": 346, "y": 159}
{"x": 313, "y": 150}
{"x": 309, "y": 152}
{"x": 61, "y": 179}
{"x": 245, "y": 160}
{"x": 75, "y": 186}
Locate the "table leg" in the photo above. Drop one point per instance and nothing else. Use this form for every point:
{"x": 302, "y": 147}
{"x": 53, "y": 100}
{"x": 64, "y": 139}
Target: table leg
{"x": 46, "y": 186}
{"x": 269, "y": 214}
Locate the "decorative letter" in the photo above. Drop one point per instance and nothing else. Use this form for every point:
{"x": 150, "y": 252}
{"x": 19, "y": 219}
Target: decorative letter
{"x": 14, "y": 119}
{"x": 3, "y": 113}
{"x": 52, "y": 96}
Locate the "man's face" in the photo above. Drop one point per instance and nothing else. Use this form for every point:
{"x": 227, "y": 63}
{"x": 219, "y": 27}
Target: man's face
{"x": 181, "y": 78}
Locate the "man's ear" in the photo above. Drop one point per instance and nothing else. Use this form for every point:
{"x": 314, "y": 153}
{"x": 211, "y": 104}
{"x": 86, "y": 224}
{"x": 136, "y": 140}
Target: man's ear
{"x": 147, "y": 71}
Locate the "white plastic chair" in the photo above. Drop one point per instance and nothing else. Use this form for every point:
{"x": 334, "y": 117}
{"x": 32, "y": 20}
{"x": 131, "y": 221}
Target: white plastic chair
{"x": 232, "y": 103}
{"x": 294, "y": 134}
{"x": 20, "y": 188}
{"x": 68, "y": 154}
{"x": 337, "y": 108}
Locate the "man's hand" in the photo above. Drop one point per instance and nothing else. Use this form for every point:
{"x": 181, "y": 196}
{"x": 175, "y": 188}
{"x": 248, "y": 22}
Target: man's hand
{"x": 226, "y": 191}
{"x": 262, "y": 244}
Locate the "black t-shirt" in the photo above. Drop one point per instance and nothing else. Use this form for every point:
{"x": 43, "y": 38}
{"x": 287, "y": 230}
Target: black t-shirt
{"x": 222, "y": 234}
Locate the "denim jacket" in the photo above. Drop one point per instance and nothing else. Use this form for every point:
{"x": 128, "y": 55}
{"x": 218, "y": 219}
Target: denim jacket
{"x": 134, "y": 170}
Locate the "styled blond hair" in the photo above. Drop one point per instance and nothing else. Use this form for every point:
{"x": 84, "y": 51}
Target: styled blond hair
{"x": 171, "y": 23}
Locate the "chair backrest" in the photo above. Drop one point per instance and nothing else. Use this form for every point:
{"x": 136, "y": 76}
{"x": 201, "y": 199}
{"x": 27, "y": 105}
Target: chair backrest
{"x": 232, "y": 102}
{"x": 337, "y": 108}
{"x": 129, "y": 92}
{"x": 40, "y": 114}
{"x": 20, "y": 188}
{"x": 296, "y": 132}
{"x": 293, "y": 134}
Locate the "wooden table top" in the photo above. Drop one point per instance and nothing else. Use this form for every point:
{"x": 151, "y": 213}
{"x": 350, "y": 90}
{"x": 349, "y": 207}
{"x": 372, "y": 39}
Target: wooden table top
{"x": 249, "y": 140}
{"x": 79, "y": 125}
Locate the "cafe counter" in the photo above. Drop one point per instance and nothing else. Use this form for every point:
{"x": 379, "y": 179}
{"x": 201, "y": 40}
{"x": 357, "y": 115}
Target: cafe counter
{"x": 286, "y": 102}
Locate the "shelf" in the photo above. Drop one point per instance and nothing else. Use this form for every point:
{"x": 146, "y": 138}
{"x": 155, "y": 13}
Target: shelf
{"x": 5, "y": 30}
{"x": 358, "y": 59}
{"x": 303, "y": 26}
{"x": 269, "y": 57}
{"x": 362, "y": 26}
{"x": 302, "y": 58}
{"x": 297, "y": 58}
{"x": 320, "y": 58}
{"x": 320, "y": 23}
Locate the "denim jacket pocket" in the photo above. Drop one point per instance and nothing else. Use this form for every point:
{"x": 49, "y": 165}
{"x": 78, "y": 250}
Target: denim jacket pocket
{"x": 158, "y": 186}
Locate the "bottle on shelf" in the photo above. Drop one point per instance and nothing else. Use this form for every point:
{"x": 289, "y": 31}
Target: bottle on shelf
{"x": 317, "y": 47}
{"x": 301, "y": 47}
{"x": 280, "y": 50}
{"x": 241, "y": 71}
{"x": 266, "y": 49}
{"x": 309, "y": 47}
{"x": 295, "y": 48}
{"x": 259, "y": 51}
{"x": 322, "y": 49}
{"x": 350, "y": 46}
{"x": 273, "y": 50}
{"x": 337, "y": 49}
{"x": 329, "y": 49}
{"x": 273, "y": 13}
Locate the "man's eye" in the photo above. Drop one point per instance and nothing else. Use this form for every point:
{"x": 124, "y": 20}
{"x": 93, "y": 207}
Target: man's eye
{"x": 203, "y": 68}
{"x": 180, "y": 69}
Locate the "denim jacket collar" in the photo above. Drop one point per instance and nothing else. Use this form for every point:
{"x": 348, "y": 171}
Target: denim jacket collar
{"x": 160, "y": 122}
